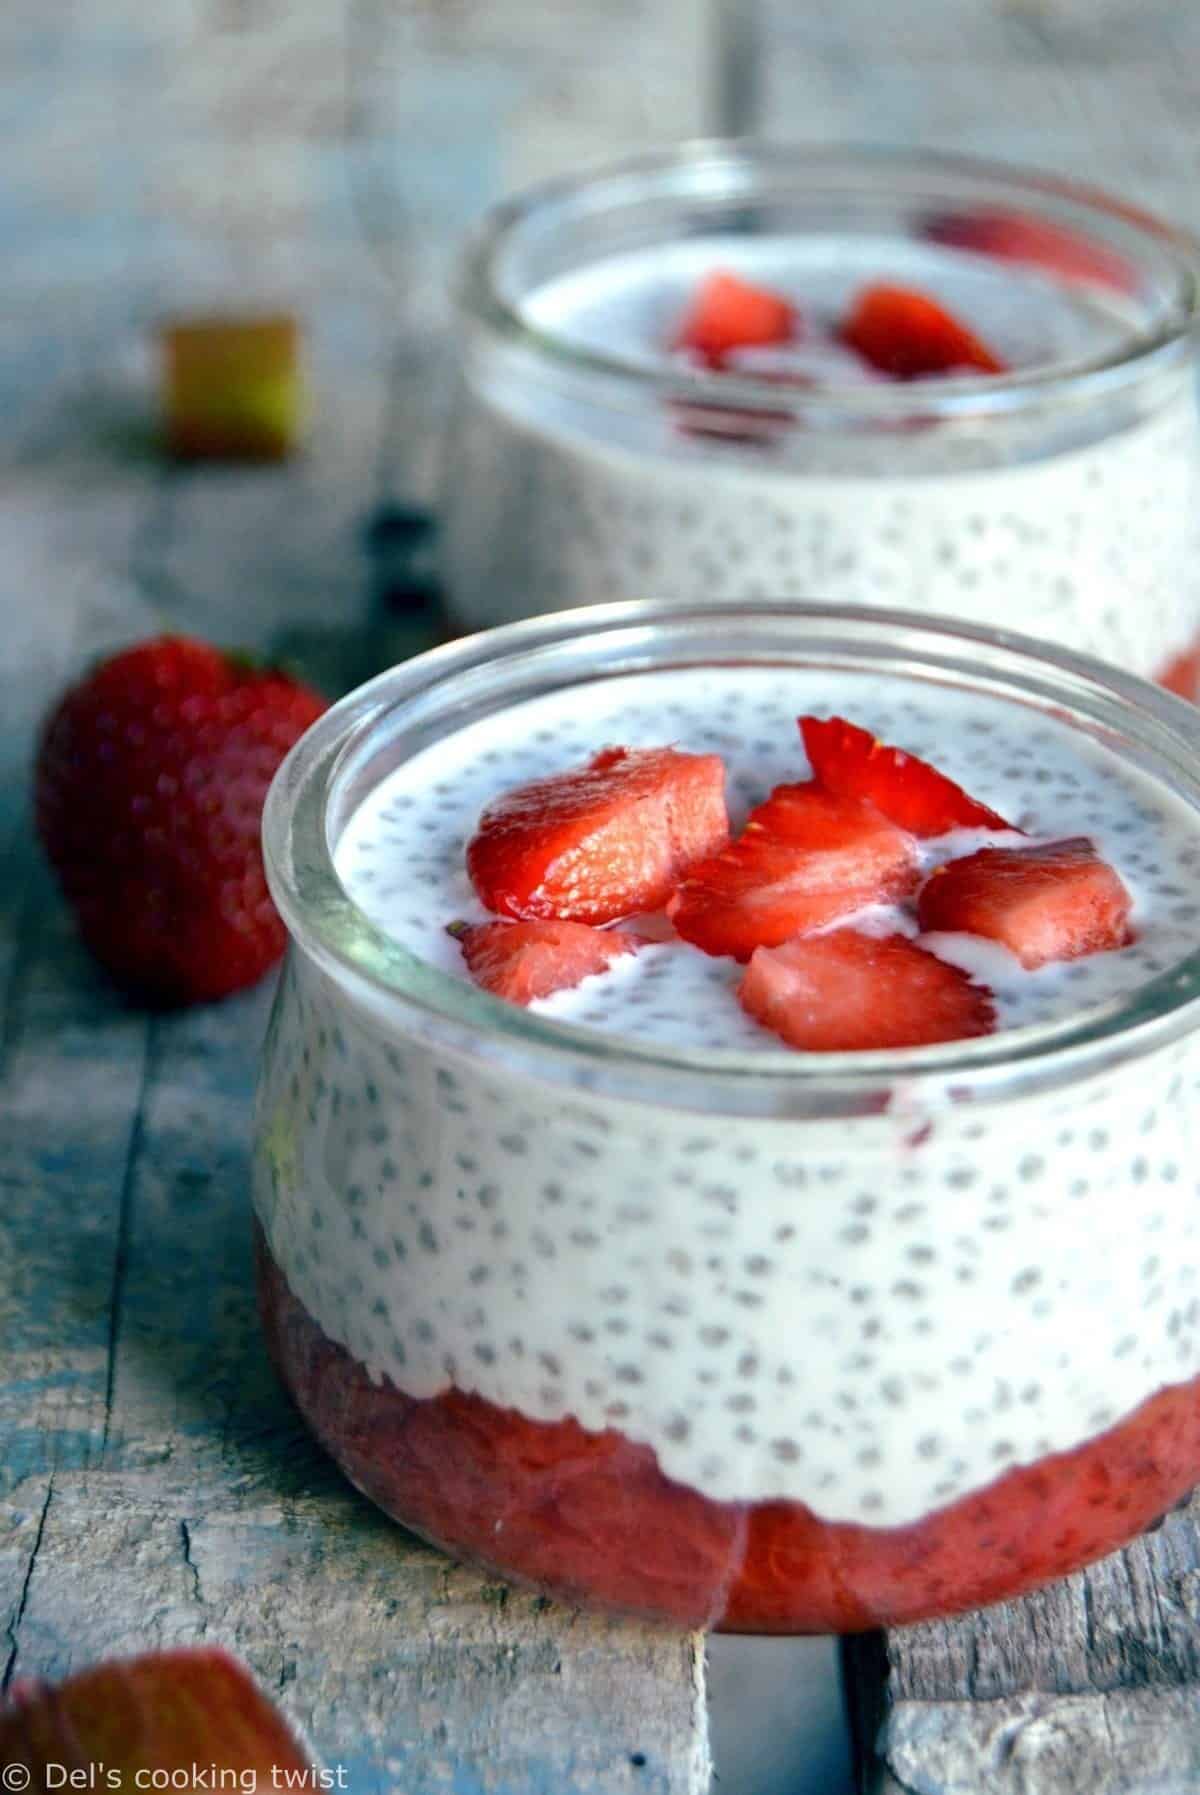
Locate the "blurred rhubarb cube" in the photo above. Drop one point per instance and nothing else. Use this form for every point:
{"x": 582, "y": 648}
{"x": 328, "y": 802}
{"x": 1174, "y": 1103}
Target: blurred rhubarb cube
{"x": 233, "y": 388}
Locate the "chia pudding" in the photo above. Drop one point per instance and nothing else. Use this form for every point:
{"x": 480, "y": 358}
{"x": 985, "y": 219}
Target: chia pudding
{"x": 618, "y": 1296}
{"x": 588, "y": 461}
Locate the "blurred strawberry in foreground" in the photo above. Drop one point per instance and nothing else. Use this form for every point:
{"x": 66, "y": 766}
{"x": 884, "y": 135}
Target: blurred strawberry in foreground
{"x": 149, "y": 787}
{"x": 168, "y": 1711}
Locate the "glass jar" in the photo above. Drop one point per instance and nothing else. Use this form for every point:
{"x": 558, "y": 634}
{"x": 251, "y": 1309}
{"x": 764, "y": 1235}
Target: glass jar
{"x": 760, "y": 1341}
{"x": 585, "y": 464}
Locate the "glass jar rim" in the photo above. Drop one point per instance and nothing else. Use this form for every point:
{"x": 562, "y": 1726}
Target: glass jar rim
{"x": 327, "y": 925}
{"x": 730, "y": 165}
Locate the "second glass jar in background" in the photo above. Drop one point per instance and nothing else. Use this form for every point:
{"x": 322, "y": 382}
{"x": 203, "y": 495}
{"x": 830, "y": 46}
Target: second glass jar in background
{"x": 584, "y": 464}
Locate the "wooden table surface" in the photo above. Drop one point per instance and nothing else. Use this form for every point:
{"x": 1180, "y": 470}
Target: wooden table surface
{"x": 154, "y": 1488}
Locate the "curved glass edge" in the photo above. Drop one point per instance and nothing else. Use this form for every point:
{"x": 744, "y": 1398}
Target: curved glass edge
{"x": 686, "y": 166}
{"x": 327, "y": 926}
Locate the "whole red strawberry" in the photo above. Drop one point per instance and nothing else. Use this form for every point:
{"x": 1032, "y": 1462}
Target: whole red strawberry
{"x": 149, "y": 786}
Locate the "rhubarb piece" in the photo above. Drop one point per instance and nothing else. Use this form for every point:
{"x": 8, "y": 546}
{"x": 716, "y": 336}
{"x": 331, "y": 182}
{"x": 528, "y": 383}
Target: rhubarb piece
{"x": 602, "y": 841}
{"x": 806, "y": 858}
{"x": 846, "y": 992}
{"x": 233, "y": 388}
{"x": 1044, "y": 902}
{"x": 731, "y": 313}
{"x": 166, "y": 1712}
{"x": 907, "y": 335}
{"x": 853, "y": 763}
{"x": 521, "y": 961}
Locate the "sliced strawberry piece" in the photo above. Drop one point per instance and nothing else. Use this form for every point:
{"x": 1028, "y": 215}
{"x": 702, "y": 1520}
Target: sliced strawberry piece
{"x": 1043, "y": 903}
{"x": 853, "y": 763}
{"x": 521, "y": 961}
{"x": 908, "y": 334}
{"x": 845, "y": 992}
{"x": 146, "y": 1723}
{"x": 805, "y": 858}
{"x": 602, "y": 841}
{"x": 731, "y": 313}
{"x": 1015, "y": 237}
{"x": 1182, "y": 675}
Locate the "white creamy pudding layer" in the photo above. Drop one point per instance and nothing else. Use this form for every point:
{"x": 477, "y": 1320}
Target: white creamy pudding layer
{"x": 1076, "y": 523}
{"x": 870, "y": 1316}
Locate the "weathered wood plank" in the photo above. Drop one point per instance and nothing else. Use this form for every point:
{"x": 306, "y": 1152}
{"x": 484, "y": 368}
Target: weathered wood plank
{"x": 428, "y": 1679}
{"x": 1128, "y": 1624}
{"x": 1124, "y": 1742}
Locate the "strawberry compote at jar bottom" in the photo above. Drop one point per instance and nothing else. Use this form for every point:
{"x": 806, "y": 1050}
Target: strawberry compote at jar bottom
{"x": 621, "y": 1297}
{"x": 595, "y": 454}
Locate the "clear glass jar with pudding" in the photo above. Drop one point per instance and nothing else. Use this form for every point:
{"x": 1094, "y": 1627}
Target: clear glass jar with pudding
{"x": 623, "y": 1297}
{"x": 1054, "y": 489}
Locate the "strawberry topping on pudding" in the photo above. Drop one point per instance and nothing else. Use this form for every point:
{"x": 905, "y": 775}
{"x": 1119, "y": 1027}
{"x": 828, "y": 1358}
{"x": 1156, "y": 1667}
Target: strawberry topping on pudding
{"x": 522, "y": 961}
{"x": 1019, "y": 237}
{"x": 806, "y": 858}
{"x": 731, "y": 313}
{"x": 907, "y": 335}
{"x": 845, "y": 990}
{"x": 602, "y": 841}
{"x": 855, "y": 764}
{"x": 896, "y": 331}
{"x": 821, "y": 893}
{"x": 1043, "y": 903}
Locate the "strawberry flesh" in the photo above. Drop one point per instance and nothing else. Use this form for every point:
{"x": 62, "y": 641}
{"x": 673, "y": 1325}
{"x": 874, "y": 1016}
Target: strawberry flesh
{"x": 806, "y": 858}
{"x": 1182, "y": 675}
{"x": 730, "y": 313}
{"x": 1014, "y": 237}
{"x": 853, "y": 763}
{"x": 522, "y": 961}
{"x": 846, "y": 992}
{"x": 162, "y": 1713}
{"x": 1054, "y": 902}
{"x": 602, "y": 841}
{"x": 907, "y": 335}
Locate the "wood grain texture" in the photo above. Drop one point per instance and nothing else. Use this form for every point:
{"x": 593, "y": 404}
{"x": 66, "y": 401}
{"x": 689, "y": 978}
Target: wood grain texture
{"x": 1125, "y": 1742}
{"x": 1041, "y": 1688}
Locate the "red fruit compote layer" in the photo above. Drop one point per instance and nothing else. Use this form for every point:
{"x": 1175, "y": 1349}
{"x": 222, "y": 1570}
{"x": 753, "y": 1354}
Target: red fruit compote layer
{"x": 754, "y": 1370}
